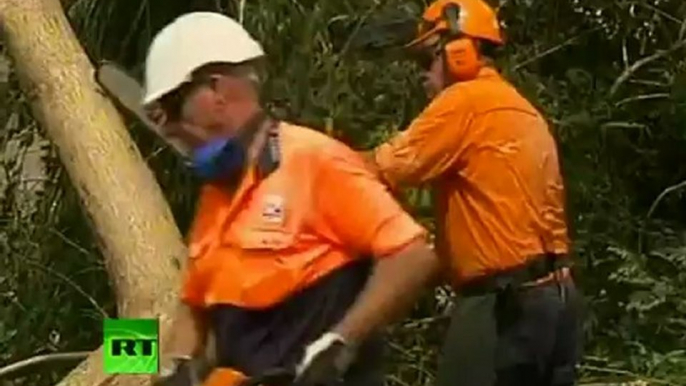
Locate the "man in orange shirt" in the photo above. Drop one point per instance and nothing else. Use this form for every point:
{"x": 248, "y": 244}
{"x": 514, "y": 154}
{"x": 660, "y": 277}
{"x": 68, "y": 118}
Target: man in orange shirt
{"x": 499, "y": 196}
{"x": 277, "y": 267}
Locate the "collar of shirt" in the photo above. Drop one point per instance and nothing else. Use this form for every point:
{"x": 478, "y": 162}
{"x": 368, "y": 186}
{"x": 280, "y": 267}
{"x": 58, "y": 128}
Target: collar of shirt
{"x": 488, "y": 72}
{"x": 269, "y": 155}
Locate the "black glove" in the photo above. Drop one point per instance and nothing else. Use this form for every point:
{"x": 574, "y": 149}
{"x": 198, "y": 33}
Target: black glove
{"x": 325, "y": 362}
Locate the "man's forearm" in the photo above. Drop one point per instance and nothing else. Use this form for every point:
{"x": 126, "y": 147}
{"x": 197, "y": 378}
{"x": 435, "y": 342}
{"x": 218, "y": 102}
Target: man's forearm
{"x": 393, "y": 288}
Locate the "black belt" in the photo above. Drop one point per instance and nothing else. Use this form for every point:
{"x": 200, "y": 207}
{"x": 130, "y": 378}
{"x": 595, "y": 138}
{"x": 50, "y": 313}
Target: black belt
{"x": 535, "y": 269}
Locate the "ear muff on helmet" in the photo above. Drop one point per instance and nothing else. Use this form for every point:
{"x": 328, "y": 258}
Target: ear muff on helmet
{"x": 462, "y": 59}
{"x": 461, "y": 53}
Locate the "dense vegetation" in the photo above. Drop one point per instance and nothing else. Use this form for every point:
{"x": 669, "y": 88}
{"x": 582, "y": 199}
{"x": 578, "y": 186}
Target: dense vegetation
{"x": 610, "y": 75}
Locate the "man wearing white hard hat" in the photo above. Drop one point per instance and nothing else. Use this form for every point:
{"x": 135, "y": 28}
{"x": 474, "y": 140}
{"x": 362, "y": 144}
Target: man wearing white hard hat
{"x": 298, "y": 255}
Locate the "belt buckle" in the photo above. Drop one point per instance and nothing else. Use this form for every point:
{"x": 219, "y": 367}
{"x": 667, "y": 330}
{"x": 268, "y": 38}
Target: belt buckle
{"x": 557, "y": 275}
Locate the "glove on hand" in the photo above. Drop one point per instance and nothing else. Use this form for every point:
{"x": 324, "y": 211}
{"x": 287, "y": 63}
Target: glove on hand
{"x": 325, "y": 361}
{"x": 183, "y": 372}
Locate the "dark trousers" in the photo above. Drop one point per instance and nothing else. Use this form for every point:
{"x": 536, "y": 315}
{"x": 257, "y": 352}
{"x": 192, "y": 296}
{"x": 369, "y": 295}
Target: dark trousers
{"x": 531, "y": 338}
{"x": 258, "y": 341}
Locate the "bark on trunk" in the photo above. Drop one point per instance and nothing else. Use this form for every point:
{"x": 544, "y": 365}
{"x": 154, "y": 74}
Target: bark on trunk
{"x": 140, "y": 241}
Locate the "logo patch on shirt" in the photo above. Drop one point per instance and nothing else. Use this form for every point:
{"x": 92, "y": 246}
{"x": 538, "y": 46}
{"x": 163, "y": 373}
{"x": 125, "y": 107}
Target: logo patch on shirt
{"x": 273, "y": 209}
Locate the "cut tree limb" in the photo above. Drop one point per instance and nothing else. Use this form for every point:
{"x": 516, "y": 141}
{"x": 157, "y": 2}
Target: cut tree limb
{"x": 41, "y": 359}
{"x": 141, "y": 244}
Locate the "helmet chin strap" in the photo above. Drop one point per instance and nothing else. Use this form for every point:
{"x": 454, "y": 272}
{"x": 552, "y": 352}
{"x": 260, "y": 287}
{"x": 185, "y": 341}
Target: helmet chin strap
{"x": 250, "y": 129}
{"x": 448, "y": 79}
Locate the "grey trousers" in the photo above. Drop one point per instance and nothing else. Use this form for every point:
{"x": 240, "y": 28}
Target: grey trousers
{"x": 535, "y": 342}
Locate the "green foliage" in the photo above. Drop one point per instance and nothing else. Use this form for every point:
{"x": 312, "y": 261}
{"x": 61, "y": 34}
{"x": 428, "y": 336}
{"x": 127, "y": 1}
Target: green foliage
{"x": 611, "y": 77}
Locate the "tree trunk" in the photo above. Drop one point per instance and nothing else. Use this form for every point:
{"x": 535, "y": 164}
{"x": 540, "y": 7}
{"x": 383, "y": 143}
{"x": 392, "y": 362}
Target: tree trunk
{"x": 140, "y": 241}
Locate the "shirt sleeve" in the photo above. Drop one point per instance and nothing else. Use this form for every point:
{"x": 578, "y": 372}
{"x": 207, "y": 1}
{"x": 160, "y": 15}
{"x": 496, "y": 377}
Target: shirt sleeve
{"x": 432, "y": 143}
{"x": 356, "y": 210}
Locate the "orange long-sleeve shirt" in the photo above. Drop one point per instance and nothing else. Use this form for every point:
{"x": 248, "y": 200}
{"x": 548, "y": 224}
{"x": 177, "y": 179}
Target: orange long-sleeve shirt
{"x": 277, "y": 235}
{"x": 494, "y": 165}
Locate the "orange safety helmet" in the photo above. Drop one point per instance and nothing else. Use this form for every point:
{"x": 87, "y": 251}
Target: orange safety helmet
{"x": 461, "y": 23}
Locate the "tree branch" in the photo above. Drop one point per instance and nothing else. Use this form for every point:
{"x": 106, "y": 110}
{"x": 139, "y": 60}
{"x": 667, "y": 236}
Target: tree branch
{"x": 547, "y": 52}
{"x": 669, "y": 190}
{"x": 631, "y": 70}
{"x": 38, "y": 359}
{"x": 142, "y": 247}
{"x": 72, "y": 284}
{"x": 241, "y": 11}
{"x": 639, "y": 98}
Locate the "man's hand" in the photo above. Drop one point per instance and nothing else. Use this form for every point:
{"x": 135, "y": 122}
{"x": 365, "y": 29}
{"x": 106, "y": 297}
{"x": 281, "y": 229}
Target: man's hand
{"x": 369, "y": 162}
{"x": 325, "y": 360}
{"x": 396, "y": 284}
{"x": 369, "y": 157}
{"x": 182, "y": 372}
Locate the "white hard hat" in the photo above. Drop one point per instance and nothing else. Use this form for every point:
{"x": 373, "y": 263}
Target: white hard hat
{"x": 189, "y": 42}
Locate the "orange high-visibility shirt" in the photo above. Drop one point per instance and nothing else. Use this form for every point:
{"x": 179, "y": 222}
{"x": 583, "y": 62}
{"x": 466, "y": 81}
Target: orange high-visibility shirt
{"x": 498, "y": 190}
{"x": 274, "y": 235}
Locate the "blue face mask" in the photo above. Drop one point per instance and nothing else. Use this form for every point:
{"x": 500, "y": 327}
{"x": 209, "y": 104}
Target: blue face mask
{"x": 225, "y": 157}
{"x": 218, "y": 158}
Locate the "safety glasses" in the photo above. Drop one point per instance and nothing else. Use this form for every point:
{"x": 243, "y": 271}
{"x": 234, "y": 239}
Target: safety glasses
{"x": 425, "y": 56}
{"x": 169, "y": 108}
